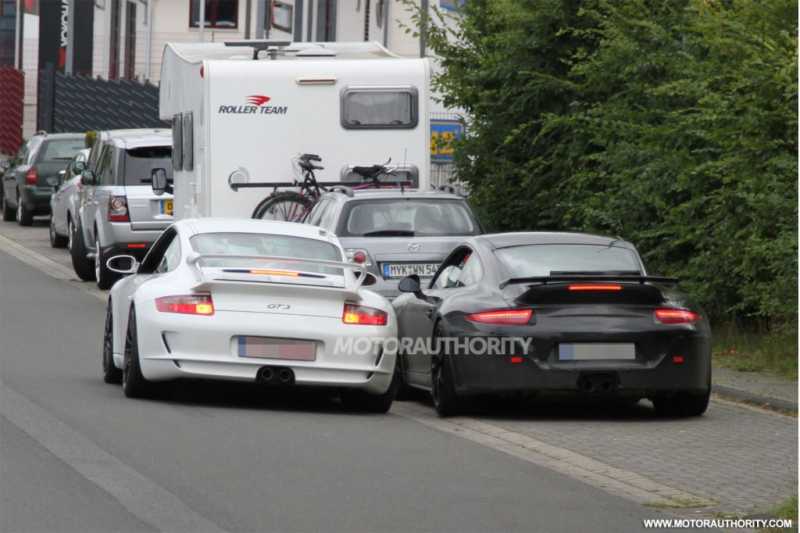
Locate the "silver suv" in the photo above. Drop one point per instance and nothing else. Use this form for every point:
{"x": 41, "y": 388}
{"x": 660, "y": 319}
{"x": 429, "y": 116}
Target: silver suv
{"x": 117, "y": 210}
{"x": 396, "y": 233}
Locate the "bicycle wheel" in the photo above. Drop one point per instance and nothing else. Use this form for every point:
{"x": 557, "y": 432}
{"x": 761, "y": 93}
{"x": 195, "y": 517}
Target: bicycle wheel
{"x": 286, "y": 206}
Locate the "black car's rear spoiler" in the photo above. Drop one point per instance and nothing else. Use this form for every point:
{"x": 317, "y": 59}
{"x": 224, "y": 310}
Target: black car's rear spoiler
{"x": 561, "y": 278}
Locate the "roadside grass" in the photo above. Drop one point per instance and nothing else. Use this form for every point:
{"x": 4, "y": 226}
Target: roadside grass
{"x": 774, "y": 352}
{"x": 787, "y": 509}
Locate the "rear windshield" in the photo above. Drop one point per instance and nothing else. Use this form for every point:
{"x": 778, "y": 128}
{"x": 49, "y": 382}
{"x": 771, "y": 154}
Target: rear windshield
{"x": 139, "y": 163}
{"x": 542, "y": 259}
{"x": 408, "y": 217}
{"x": 266, "y": 245}
{"x": 56, "y": 149}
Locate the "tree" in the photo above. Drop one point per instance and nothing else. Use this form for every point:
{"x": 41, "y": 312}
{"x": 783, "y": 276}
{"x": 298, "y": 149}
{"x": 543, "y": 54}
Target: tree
{"x": 671, "y": 124}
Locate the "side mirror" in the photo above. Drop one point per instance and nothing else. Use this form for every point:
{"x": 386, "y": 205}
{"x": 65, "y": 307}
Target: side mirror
{"x": 411, "y": 284}
{"x": 159, "y": 182}
{"x": 88, "y": 177}
{"x": 78, "y": 167}
{"x": 123, "y": 264}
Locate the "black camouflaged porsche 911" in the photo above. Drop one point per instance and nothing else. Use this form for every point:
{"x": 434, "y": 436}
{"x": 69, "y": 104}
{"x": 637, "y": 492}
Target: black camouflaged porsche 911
{"x": 528, "y": 312}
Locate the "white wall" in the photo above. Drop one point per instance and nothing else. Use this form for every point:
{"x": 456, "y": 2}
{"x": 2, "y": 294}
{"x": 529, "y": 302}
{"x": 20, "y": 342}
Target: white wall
{"x": 169, "y": 22}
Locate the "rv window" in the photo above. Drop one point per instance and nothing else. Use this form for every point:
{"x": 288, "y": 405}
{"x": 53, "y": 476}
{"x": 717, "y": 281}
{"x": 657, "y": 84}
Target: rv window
{"x": 188, "y": 142}
{"x": 379, "y": 108}
{"x": 177, "y": 142}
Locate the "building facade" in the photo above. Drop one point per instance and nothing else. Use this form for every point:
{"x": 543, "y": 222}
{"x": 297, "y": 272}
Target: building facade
{"x": 116, "y": 39}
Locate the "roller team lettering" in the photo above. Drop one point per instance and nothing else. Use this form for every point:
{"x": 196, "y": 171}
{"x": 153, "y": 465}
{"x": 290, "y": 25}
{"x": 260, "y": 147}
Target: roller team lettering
{"x": 256, "y": 105}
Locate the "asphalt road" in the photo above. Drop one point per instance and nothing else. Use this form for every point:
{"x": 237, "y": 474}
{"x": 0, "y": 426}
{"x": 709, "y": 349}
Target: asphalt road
{"x": 75, "y": 455}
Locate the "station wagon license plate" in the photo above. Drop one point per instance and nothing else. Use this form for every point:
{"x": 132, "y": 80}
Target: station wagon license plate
{"x": 166, "y": 207}
{"x": 274, "y": 348}
{"x": 401, "y": 270}
{"x": 595, "y": 351}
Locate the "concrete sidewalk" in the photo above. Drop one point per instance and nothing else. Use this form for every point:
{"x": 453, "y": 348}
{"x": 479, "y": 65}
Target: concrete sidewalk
{"x": 765, "y": 390}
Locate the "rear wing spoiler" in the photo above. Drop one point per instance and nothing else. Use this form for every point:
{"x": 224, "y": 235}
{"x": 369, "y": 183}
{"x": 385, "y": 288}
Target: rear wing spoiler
{"x": 196, "y": 260}
{"x": 561, "y": 278}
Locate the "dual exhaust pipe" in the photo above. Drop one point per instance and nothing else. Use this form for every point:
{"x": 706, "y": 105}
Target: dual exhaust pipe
{"x": 598, "y": 383}
{"x": 275, "y": 375}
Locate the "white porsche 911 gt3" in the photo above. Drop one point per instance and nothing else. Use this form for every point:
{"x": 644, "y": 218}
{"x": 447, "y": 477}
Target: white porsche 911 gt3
{"x": 249, "y": 300}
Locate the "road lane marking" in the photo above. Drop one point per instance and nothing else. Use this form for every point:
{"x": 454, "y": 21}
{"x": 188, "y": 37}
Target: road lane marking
{"x": 48, "y": 266}
{"x": 617, "y": 481}
{"x": 147, "y": 501}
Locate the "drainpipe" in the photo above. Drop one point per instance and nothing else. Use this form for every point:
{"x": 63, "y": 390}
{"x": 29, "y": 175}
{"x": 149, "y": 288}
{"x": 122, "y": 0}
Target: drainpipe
{"x": 70, "y": 61}
{"x": 386, "y": 5}
{"x": 148, "y": 43}
{"x": 423, "y": 30}
{"x": 248, "y": 8}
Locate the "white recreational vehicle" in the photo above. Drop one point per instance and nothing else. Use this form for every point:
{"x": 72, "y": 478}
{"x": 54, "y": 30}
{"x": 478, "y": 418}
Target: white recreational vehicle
{"x": 243, "y": 111}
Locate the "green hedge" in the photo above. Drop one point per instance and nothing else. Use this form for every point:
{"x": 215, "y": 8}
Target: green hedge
{"x": 670, "y": 123}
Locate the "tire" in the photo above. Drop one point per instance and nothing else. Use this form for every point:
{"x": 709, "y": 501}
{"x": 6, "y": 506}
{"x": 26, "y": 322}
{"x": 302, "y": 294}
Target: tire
{"x": 285, "y": 206}
{"x": 361, "y": 401}
{"x": 24, "y": 216}
{"x": 83, "y": 266}
{"x": 134, "y": 385}
{"x": 111, "y": 374}
{"x": 443, "y": 392}
{"x": 682, "y": 404}
{"x": 8, "y": 213}
{"x": 105, "y": 278}
{"x": 56, "y": 240}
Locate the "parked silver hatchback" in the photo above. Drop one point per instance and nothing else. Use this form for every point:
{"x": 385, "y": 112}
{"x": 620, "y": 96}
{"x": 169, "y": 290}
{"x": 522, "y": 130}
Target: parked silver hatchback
{"x": 396, "y": 233}
{"x": 118, "y": 212}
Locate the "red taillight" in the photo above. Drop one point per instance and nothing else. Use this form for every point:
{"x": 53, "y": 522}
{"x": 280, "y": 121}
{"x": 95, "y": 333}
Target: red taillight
{"x": 595, "y": 287}
{"x": 118, "y": 209}
{"x": 358, "y": 256}
{"x": 367, "y": 316}
{"x": 32, "y": 176}
{"x": 515, "y": 360}
{"x": 137, "y": 246}
{"x": 676, "y": 316}
{"x": 502, "y": 316}
{"x": 678, "y": 359}
{"x": 193, "y": 304}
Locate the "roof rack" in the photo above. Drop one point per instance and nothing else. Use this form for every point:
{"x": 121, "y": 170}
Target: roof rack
{"x": 272, "y": 48}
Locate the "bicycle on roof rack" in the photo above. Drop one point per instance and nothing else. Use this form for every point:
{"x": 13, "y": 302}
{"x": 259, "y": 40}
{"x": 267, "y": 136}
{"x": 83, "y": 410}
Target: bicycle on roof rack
{"x": 295, "y": 206}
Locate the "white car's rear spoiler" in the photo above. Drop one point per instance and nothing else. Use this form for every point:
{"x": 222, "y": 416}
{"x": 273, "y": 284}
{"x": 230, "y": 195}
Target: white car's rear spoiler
{"x": 204, "y": 283}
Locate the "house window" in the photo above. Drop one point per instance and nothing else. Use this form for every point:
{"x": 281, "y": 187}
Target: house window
{"x": 379, "y": 108}
{"x": 221, "y": 14}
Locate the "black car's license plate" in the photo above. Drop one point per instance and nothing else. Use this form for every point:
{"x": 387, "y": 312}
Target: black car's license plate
{"x": 401, "y": 270}
{"x": 596, "y": 351}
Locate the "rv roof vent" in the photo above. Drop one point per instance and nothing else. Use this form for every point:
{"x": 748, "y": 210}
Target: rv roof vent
{"x": 316, "y": 51}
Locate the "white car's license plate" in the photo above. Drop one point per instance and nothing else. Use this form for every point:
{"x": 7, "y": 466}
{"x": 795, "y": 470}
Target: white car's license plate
{"x": 401, "y": 270}
{"x": 595, "y": 351}
{"x": 272, "y": 348}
